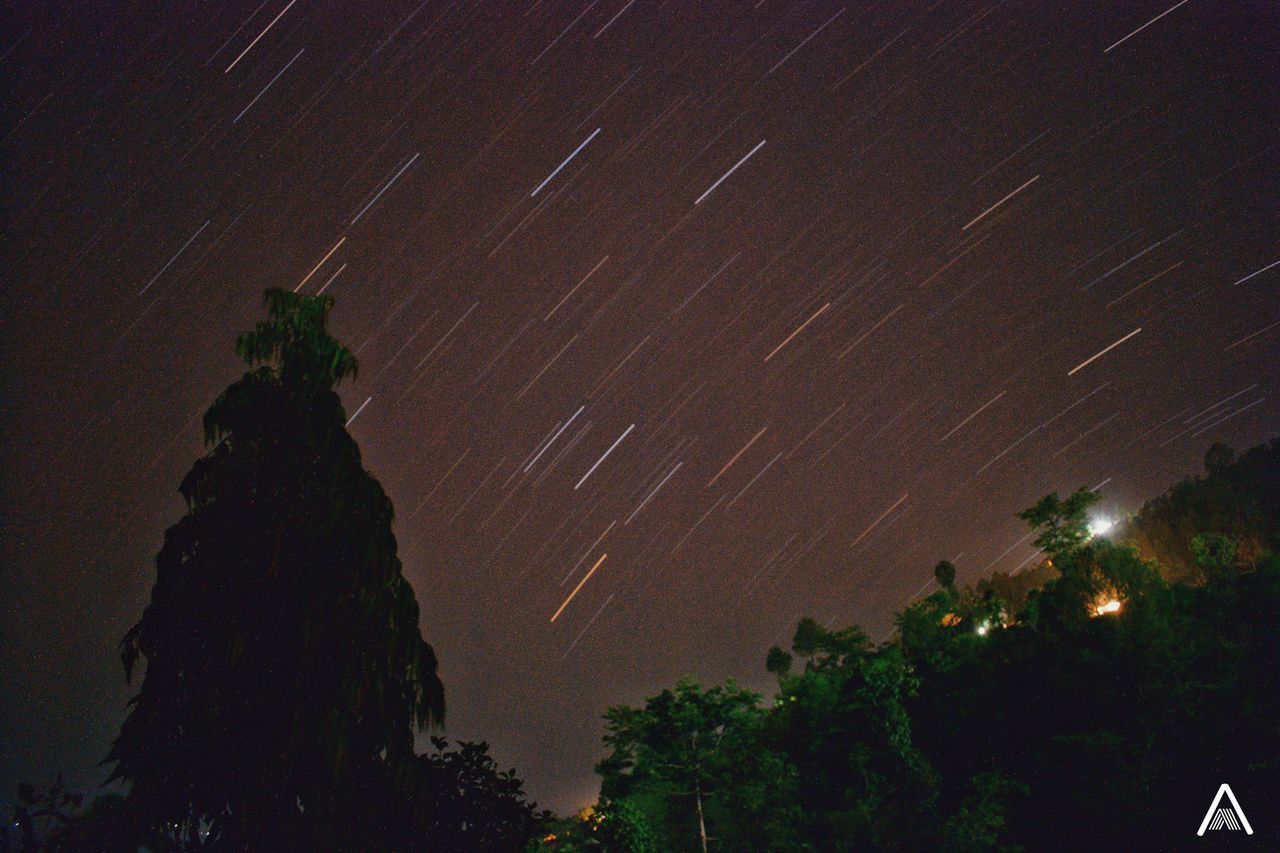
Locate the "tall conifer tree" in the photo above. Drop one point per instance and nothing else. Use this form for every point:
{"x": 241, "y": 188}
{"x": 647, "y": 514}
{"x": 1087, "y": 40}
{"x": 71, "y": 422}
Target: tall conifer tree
{"x": 285, "y": 669}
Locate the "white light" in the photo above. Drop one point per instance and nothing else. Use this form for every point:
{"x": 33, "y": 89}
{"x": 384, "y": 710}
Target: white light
{"x": 983, "y": 628}
{"x": 1100, "y": 526}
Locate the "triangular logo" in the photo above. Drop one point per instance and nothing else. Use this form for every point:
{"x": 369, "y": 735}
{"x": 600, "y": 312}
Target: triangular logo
{"x": 1225, "y": 816}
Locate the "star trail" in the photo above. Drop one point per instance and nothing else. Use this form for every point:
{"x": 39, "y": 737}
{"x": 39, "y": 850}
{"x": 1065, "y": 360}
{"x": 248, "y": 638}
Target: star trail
{"x": 778, "y": 303}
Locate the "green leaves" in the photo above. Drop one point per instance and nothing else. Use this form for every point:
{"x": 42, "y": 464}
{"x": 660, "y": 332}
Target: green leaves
{"x": 1072, "y": 726}
{"x": 680, "y": 753}
{"x": 1063, "y": 524}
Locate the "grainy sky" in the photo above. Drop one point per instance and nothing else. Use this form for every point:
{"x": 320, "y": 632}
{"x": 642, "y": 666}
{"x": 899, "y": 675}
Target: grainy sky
{"x": 734, "y": 311}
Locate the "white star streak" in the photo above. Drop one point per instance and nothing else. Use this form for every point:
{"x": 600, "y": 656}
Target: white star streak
{"x": 1259, "y": 272}
{"x": 1227, "y": 417}
{"x": 175, "y": 257}
{"x": 554, "y": 437}
{"x": 546, "y": 367}
{"x": 873, "y": 524}
{"x": 803, "y": 43}
{"x": 956, "y": 428}
{"x": 712, "y": 188}
{"x": 590, "y": 621}
{"x": 864, "y": 335}
{"x": 697, "y": 524}
{"x": 385, "y": 187}
{"x": 1098, "y": 355}
{"x": 797, "y": 331}
{"x": 324, "y": 286}
{"x": 548, "y": 178}
{"x": 611, "y": 20}
{"x": 1144, "y": 26}
{"x": 575, "y": 289}
{"x": 268, "y": 86}
{"x": 563, "y": 32}
{"x": 605, "y": 456}
{"x": 317, "y": 266}
{"x": 635, "y": 511}
{"x": 243, "y": 24}
{"x": 452, "y": 329}
{"x": 981, "y": 215}
{"x": 264, "y": 32}
{"x": 767, "y": 466}
{"x": 593, "y": 546}
{"x": 358, "y": 411}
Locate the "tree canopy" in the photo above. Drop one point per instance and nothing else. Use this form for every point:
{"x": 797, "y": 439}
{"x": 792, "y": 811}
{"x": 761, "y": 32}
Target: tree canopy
{"x": 1237, "y": 497}
{"x": 285, "y": 669}
{"x": 1103, "y": 710}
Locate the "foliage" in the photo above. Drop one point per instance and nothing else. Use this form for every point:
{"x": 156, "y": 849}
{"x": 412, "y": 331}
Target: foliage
{"x": 1239, "y": 498}
{"x": 676, "y": 756}
{"x": 55, "y": 821}
{"x": 460, "y": 801}
{"x": 1214, "y": 552}
{"x": 1015, "y": 588}
{"x": 285, "y": 669}
{"x": 43, "y": 820}
{"x": 610, "y": 826}
{"x": 1062, "y": 524}
{"x": 981, "y": 822}
{"x": 945, "y": 574}
{"x": 1105, "y": 715}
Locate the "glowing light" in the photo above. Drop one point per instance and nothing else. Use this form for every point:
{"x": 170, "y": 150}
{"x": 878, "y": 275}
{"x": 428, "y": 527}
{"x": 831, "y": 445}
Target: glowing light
{"x": 983, "y": 628}
{"x": 1101, "y": 526}
{"x": 1110, "y": 606}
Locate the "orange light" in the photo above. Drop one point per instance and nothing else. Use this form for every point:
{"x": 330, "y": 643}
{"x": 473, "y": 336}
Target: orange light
{"x": 1110, "y": 606}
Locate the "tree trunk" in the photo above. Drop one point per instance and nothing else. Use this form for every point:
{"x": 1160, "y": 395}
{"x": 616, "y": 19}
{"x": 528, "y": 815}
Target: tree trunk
{"x": 702, "y": 826}
{"x": 697, "y": 793}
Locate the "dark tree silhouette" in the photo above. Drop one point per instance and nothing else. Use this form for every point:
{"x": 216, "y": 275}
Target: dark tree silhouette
{"x": 462, "y": 803}
{"x": 285, "y": 669}
{"x": 945, "y": 574}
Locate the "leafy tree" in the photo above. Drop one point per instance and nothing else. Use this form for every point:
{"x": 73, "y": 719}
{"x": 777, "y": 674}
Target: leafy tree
{"x": 1236, "y": 497}
{"x": 1215, "y": 552}
{"x": 44, "y": 819}
{"x": 1218, "y": 458}
{"x": 285, "y": 669}
{"x": 56, "y": 822}
{"x": 945, "y": 574}
{"x": 676, "y": 755}
{"x": 982, "y": 821}
{"x": 842, "y": 724}
{"x": 1062, "y": 524}
{"x": 611, "y": 826}
{"x": 1013, "y": 589}
{"x": 461, "y": 802}
{"x": 1103, "y": 717}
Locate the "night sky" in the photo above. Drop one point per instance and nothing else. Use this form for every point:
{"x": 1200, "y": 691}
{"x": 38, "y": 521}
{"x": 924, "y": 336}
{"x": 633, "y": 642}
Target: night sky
{"x": 736, "y": 311}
